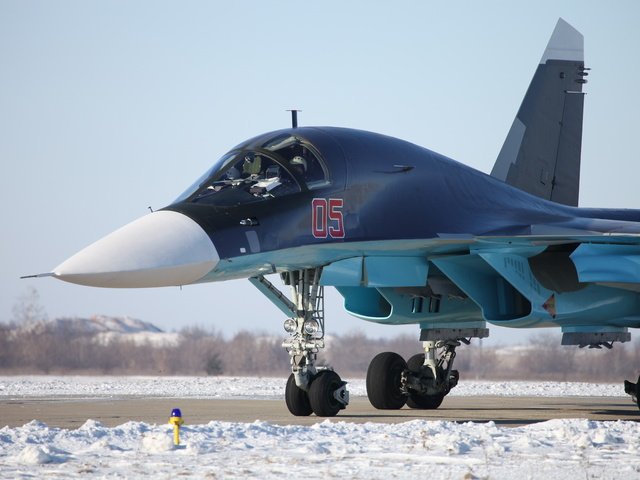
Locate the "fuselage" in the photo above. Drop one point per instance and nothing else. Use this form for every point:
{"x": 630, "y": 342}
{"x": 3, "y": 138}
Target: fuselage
{"x": 384, "y": 190}
{"x": 367, "y": 203}
{"x": 369, "y": 194}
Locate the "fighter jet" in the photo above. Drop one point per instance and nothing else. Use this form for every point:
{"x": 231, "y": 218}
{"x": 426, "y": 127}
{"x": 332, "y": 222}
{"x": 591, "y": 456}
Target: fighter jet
{"x": 405, "y": 235}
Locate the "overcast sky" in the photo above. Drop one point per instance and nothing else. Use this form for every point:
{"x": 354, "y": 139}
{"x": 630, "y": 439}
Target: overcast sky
{"x": 109, "y": 107}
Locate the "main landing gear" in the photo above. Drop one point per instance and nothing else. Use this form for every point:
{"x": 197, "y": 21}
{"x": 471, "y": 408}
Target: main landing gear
{"x": 633, "y": 389}
{"x": 424, "y": 380}
{"x": 310, "y": 388}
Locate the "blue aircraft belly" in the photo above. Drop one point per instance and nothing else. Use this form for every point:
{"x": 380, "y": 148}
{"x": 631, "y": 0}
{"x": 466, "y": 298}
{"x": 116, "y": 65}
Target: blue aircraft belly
{"x": 393, "y": 307}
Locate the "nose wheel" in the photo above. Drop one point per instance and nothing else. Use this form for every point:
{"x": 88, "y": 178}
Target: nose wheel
{"x": 328, "y": 394}
{"x": 297, "y": 400}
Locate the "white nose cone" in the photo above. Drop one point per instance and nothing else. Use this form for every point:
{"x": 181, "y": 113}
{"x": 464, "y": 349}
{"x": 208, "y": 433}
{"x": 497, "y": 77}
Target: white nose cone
{"x": 161, "y": 249}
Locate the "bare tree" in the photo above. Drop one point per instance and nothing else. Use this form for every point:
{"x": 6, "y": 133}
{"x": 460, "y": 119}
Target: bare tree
{"x": 201, "y": 352}
{"x": 27, "y": 310}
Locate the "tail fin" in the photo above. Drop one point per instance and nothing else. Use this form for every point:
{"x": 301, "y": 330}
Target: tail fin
{"x": 541, "y": 154}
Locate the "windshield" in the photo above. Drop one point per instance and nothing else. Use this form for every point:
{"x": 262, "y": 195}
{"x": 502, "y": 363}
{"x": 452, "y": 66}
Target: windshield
{"x": 248, "y": 177}
{"x": 295, "y": 150}
{"x": 283, "y": 165}
{"x": 202, "y": 178}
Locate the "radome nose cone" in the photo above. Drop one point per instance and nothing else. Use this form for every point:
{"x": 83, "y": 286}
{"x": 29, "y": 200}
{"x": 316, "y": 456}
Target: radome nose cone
{"x": 161, "y": 249}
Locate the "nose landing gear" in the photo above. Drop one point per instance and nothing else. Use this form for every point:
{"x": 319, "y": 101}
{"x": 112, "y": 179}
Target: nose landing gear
{"x": 310, "y": 388}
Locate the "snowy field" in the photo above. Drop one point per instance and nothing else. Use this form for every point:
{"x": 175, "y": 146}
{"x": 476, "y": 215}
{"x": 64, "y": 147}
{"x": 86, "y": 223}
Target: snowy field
{"x": 557, "y": 449}
{"x": 259, "y": 388}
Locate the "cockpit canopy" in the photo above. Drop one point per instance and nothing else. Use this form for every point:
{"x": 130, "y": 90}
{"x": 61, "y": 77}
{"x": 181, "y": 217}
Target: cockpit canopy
{"x": 261, "y": 170}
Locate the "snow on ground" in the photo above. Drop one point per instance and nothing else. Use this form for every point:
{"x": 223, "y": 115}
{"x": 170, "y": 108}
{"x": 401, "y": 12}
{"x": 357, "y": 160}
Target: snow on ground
{"x": 557, "y": 449}
{"x": 255, "y": 387}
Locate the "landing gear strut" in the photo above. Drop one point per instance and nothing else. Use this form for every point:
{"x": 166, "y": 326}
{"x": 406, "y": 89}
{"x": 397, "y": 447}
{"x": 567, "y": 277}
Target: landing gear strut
{"x": 426, "y": 378}
{"x": 310, "y": 388}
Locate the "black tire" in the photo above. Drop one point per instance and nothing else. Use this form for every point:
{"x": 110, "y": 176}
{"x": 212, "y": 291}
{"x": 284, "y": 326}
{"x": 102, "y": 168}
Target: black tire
{"x": 323, "y": 403}
{"x": 425, "y": 402}
{"x": 633, "y": 389}
{"x": 383, "y": 381}
{"x": 297, "y": 399}
{"x": 416, "y": 362}
{"x": 422, "y": 402}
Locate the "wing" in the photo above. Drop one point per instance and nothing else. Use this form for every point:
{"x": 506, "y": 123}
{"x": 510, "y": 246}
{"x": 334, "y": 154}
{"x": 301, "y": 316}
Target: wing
{"x": 585, "y": 282}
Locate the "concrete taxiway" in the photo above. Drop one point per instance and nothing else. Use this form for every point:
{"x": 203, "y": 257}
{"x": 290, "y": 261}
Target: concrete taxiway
{"x": 507, "y": 411}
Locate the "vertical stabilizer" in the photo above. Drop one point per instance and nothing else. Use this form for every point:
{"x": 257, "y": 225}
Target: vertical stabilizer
{"x": 541, "y": 154}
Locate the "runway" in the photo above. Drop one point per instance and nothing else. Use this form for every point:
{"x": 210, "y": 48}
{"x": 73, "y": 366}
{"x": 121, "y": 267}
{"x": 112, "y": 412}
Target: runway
{"x": 72, "y": 412}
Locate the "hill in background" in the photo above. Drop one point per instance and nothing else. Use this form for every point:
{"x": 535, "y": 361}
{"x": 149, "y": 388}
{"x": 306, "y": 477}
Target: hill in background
{"x": 123, "y": 345}
{"x": 103, "y": 330}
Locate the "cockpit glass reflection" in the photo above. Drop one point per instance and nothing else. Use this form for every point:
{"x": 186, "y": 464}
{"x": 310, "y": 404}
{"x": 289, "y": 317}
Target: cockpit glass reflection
{"x": 303, "y": 156}
{"x": 251, "y": 177}
{"x": 283, "y": 165}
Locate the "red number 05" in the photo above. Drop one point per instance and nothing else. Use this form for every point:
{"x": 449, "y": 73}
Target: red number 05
{"x": 326, "y": 218}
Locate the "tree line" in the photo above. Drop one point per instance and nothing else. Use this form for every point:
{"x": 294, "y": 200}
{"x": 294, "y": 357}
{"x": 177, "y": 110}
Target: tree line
{"x": 206, "y": 352}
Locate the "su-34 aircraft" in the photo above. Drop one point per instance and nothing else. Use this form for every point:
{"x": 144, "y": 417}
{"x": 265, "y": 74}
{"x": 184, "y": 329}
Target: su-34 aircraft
{"x": 406, "y": 236}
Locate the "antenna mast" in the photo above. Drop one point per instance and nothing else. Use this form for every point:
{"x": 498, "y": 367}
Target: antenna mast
{"x": 294, "y": 117}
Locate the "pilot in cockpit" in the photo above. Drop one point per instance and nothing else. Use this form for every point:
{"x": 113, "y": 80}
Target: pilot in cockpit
{"x": 299, "y": 165}
{"x": 252, "y": 166}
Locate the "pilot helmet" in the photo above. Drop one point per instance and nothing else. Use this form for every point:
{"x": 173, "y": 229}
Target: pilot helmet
{"x": 298, "y": 160}
{"x": 232, "y": 174}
